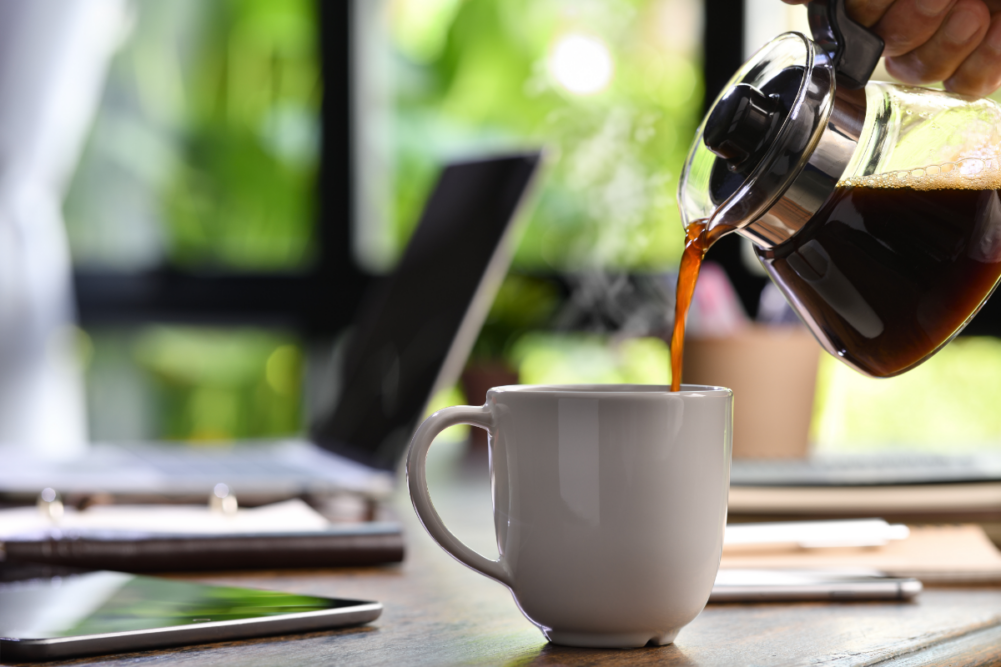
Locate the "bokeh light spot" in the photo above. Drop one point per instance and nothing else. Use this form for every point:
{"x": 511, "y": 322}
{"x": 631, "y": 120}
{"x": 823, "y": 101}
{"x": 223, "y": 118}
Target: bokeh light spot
{"x": 581, "y": 63}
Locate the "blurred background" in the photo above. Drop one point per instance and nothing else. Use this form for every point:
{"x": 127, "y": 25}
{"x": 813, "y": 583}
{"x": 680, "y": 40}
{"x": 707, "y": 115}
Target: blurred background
{"x": 217, "y": 259}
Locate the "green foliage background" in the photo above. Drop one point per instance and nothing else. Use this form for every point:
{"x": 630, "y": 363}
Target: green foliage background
{"x": 476, "y": 78}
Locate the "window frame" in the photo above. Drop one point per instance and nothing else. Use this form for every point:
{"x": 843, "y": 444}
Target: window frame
{"x": 318, "y": 300}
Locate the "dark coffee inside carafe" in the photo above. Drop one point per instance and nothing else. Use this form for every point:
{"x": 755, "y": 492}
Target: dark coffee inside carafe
{"x": 893, "y": 266}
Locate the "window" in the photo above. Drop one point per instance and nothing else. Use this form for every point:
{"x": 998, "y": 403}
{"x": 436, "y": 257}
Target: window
{"x": 212, "y": 248}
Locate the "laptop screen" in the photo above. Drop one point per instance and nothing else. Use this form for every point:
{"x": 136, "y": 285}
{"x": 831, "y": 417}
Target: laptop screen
{"x": 413, "y": 334}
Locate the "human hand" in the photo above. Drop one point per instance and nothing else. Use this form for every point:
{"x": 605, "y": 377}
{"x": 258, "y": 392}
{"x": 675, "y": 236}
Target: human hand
{"x": 957, "y": 42}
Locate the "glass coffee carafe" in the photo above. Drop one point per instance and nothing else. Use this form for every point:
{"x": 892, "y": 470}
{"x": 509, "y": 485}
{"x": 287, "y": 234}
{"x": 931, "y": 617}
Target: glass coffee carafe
{"x": 873, "y": 206}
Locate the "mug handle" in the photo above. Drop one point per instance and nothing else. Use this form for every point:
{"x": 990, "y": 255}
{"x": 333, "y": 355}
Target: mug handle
{"x": 417, "y": 481}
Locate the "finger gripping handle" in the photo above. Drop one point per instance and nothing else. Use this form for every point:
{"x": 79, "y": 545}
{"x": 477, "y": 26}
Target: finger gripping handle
{"x": 417, "y": 481}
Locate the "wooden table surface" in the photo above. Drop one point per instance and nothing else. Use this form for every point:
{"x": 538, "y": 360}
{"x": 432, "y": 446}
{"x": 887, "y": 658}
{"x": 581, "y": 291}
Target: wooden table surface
{"x": 437, "y": 612}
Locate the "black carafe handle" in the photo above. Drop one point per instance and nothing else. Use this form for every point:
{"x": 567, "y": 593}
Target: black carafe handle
{"x": 854, "y": 50}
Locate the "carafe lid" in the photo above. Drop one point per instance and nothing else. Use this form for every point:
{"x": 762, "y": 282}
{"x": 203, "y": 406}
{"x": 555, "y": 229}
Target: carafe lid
{"x": 754, "y": 153}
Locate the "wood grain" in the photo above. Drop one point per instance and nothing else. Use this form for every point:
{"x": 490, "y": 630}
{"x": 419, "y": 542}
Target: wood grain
{"x": 975, "y": 649}
{"x": 437, "y": 612}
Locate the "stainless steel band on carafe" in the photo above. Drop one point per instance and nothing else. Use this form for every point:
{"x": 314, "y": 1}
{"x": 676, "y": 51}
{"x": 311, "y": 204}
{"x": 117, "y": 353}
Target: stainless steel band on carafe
{"x": 779, "y": 138}
{"x": 836, "y": 125}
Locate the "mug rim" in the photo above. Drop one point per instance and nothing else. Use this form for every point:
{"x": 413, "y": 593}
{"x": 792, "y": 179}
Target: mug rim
{"x": 687, "y": 390}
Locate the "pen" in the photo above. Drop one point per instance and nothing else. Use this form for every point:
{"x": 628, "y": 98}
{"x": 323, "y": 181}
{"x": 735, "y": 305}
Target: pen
{"x": 814, "y": 534}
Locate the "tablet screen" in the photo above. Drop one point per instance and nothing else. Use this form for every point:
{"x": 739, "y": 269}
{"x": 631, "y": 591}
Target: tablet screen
{"x": 100, "y": 603}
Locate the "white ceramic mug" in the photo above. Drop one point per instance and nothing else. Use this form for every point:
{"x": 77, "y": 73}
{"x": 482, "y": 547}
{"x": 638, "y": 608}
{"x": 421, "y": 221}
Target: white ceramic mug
{"x": 609, "y": 504}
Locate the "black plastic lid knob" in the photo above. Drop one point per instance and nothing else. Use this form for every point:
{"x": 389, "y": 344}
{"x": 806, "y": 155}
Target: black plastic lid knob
{"x": 742, "y": 125}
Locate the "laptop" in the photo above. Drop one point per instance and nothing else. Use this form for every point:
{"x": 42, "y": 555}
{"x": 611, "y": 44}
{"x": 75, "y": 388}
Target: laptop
{"x": 410, "y": 339}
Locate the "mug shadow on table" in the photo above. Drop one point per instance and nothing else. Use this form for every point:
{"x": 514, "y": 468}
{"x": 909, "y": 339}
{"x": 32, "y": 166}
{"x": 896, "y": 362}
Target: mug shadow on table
{"x": 553, "y": 654}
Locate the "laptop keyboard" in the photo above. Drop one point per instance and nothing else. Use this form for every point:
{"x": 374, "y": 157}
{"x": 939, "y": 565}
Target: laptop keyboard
{"x": 867, "y": 470}
{"x": 223, "y": 465}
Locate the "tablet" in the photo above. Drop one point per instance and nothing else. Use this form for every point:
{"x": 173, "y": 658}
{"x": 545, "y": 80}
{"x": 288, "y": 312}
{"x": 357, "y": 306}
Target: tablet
{"x": 109, "y": 612}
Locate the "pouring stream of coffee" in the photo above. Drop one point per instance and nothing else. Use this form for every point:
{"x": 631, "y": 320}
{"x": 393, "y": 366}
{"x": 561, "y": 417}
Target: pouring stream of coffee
{"x": 699, "y": 236}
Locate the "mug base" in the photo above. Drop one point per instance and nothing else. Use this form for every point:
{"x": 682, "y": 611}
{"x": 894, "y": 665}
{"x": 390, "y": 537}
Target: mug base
{"x": 610, "y": 640}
